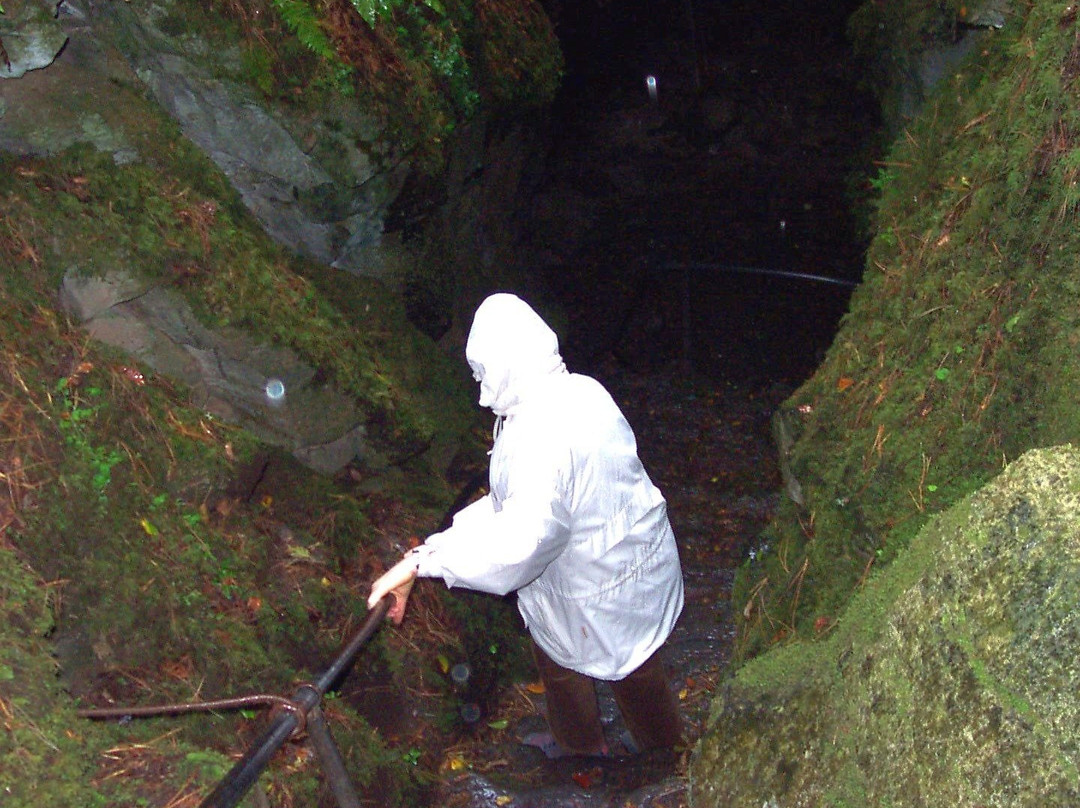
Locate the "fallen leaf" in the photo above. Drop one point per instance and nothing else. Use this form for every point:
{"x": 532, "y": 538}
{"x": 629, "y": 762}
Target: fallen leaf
{"x": 535, "y": 687}
{"x": 587, "y": 779}
{"x": 843, "y": 383}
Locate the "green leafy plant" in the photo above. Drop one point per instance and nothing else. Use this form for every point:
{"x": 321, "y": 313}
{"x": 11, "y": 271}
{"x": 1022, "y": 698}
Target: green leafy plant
{"x": 77, "y": 413}
{"x": 884, "y": 178}
{"x": 303, "y": 21}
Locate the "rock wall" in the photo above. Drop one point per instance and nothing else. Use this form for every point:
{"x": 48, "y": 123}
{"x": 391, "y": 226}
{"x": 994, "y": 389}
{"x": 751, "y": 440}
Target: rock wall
{"x": 230, "y": 374}
{"x": 307, "y": 180}
{"x": 950, "y": 680}
{"x": 955, "y": 356}
{"x": 102, "y": 73}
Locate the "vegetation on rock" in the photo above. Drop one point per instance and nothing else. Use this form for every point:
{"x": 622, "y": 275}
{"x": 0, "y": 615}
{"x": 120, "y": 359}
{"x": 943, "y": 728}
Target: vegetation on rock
{"x": 420, "y": 67}
{"x": 956, "y": 355}
{"x": 949, "y": 680}
{"x": 153, "y": 553}
{"x": 134, "y": 533}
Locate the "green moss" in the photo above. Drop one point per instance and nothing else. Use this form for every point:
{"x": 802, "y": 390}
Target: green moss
{"x": 419, "y": 68}
{"x": 233, "y": 277}
{"x": 52, "y": 756}
{"x": 947, "y": 679}
{"x": 954, "y": 356}
{"x": 159, "y": 600}
{"x": 116, "y": 481}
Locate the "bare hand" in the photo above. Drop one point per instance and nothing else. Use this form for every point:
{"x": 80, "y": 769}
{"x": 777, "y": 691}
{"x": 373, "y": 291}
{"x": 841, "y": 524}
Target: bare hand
{"x": 398, "y": 583}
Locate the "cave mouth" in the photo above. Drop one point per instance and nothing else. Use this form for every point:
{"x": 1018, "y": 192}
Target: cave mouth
{"x": 700, "y": 202}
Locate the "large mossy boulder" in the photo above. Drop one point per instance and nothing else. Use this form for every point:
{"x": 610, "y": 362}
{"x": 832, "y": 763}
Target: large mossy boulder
{"x": 950, "y": 680}
{"x": 175, "y": 116}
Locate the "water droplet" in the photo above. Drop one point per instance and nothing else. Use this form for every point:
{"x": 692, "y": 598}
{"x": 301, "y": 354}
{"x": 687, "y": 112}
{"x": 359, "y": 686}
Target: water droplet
{"x": 460, "y": 673}
{"x": 275, "y": 389}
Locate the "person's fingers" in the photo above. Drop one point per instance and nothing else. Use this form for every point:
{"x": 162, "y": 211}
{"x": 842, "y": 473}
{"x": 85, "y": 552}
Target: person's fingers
{"x": 379, "y": 589}
{"x": 400, "y": 594}
{"x": 397, "y": 581}
{"x": 396, "y": 612}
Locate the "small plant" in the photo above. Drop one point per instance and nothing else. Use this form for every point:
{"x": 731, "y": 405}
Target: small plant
{"x": 80, "y": 408}
{"x": 884, "y": 179}
{"x": 302, "y": 20}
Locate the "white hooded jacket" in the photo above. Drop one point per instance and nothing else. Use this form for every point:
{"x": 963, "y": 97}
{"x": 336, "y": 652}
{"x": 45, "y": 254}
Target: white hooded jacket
{"x": 572, "y": 521}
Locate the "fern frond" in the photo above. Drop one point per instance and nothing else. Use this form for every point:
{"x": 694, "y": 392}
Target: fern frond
{"x": 303, "y": 22}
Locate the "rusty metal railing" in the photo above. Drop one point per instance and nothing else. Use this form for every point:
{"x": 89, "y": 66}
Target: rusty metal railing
{"x": 289, "y": 717}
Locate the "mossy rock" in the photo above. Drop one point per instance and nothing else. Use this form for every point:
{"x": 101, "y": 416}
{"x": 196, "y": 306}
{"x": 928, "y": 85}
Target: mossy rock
{"x": 951, "y": 679}
{"x": 957, "y": 353}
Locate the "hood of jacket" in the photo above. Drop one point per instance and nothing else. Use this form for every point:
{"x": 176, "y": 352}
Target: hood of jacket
{"x": 510, "y": 349}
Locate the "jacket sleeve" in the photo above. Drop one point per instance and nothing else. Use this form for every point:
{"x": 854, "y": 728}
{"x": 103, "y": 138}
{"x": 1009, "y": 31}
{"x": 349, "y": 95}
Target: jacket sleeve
{"x": 502, "y": 550}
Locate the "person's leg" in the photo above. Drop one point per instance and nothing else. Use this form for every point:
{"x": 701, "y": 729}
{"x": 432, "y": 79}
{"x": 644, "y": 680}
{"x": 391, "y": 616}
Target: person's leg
{"x": 649, "y": 707}
{"x": 572, "y": 712}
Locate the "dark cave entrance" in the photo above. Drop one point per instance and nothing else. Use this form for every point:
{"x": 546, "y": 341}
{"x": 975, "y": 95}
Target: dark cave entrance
{"x": 707, "y": 162}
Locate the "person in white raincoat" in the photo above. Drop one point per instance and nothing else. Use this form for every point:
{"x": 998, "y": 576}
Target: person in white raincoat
{"x": 574, "y": 525}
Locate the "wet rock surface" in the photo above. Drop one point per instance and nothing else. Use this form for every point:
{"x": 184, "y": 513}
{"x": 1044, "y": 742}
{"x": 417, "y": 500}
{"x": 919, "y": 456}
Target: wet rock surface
{"x": 30, "y": 37}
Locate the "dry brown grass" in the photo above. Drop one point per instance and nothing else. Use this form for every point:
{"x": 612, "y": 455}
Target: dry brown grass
{"x": 24, "y": 460}
{"x": 150, "y": 767}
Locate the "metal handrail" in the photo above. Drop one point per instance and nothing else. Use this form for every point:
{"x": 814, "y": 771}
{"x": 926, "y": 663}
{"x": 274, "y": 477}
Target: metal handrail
{"x": 243, "y": 775}
{"x": 292, "y": 716}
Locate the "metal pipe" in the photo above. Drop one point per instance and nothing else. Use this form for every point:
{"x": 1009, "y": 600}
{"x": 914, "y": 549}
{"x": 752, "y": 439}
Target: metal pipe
{"x": 345, "y": 659}
{"x": 330, "y": 761}
{"x": 213, "y": 705}
{"x": 777, "y": 273}
{"x": 243, "y": 775}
